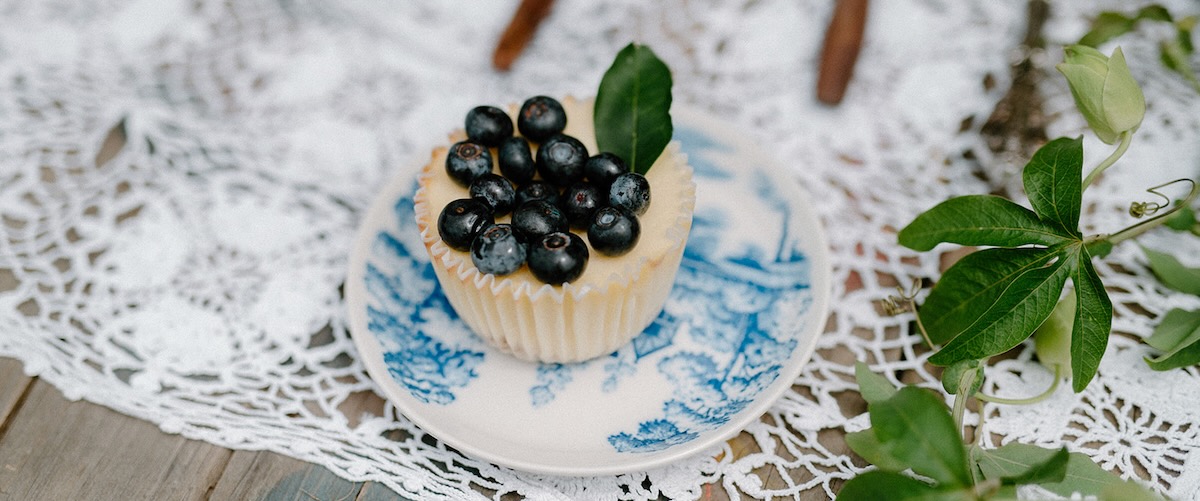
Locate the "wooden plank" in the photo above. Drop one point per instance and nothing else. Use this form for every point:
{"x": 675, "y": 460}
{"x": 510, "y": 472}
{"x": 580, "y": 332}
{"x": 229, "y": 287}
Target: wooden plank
{"x": 56, "y": 449}
{"x": 378, "y": 492}
{"x": 252, "y": 474}
{"x": 313, "y": 483}
{"x": 13, "y": 384}
{"x": 268, "y": 475}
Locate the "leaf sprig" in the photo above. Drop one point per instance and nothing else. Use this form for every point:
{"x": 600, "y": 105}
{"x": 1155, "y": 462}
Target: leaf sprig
{"x": 1175, "y": 52}
{"x": 912, "y": 430}
{"x": 991, "y": 300}
{"x": 1178, "y": 333}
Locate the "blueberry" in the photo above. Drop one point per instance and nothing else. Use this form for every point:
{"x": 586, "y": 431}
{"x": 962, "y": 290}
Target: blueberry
{"x": 498, "y": 250}
{"x": 461, "y": 220}
{"x": 603, "y": 168}
{"x": 560, "y": 160}
{"x": 558, "y": 258}
{"x": 496, "y": 191}
{"x": 467, "y": 160}
{"x": 488, "y": 125}
{"x": 631, "y": 191}
{"x": 580, "y": 201}
{"x": 537, "y": 190}
{"x": 540, "y": 118}
{"x": 516, "y": 161}
{"x": 537, "y": 218}
{"x": 614, "y": 231}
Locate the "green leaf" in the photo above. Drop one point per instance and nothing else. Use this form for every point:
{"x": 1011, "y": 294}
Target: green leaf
{"x": 1182, "y": 220}
{"x": 1099, "y": 247}
{"x": 1154, "y": 12}
{"x": 1176, "y": 53}
{"x": 1174, "y": 329}
{"x": 1020, "y": 309}
{"x": 1017, "y": 464}
{"x": 1172, "y": 273}
{"x": 1107, "y": 26}
{"x": 1128, "y": 491}
{"x": 872, "y": 386}
{"x": 916, "y": 428}
{"x": 866, "y": 444}
{"x": 1178, "y": 336}
{"x": 633, "y": 104}
{"x": 979, "y": 220}
{"x": 971, "y": 287}
{"x": 876, "y": 485}
{"x": 1174, "y": 57}
{"x": 1183, "y": 34}
{"x": 1093, "y": 322}
{"x": 1054, "y": 182}
{"x": 1083, "y": 476}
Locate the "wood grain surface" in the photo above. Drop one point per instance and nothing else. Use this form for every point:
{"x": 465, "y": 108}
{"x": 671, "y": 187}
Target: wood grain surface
{"x": 55, "y": 449}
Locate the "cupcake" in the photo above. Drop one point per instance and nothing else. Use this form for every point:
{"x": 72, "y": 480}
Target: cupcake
{"x": 508, "y": 297}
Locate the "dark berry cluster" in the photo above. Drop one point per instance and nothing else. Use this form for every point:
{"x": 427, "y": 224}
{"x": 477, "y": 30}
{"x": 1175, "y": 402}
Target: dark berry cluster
{"x": 548, "y": 194}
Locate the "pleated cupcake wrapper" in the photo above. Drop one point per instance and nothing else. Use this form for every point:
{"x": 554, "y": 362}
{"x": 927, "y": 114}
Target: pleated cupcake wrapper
{"x": 560, "y": 323}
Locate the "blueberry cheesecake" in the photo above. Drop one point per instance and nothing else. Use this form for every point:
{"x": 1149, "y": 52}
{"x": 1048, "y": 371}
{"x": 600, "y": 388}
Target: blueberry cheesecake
{"x": 547, "y": 247}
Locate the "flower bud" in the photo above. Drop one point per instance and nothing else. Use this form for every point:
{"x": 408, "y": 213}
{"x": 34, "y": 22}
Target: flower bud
{"x": 1052, "y": 339}
{"x": 1104, "y": 91}
{"x": 954, "y": 375}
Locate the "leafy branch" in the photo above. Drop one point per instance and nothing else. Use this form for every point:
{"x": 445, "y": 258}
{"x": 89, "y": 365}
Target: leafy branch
{"x": 993, "y": 299}
{"x": 1175, "y": 52}
{"x": 1178, "y": 333}
{"x": 913, "y": 431}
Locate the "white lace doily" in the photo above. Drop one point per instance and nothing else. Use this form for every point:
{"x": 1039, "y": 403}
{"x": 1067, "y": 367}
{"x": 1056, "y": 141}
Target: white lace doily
{"x": 192, "y": 278}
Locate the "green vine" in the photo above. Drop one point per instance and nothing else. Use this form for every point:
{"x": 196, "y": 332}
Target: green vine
{"x": 994, "y": 299}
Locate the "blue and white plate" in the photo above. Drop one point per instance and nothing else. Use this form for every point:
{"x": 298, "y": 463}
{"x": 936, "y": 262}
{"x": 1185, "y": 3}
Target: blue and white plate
{"x": 748, "y": 304}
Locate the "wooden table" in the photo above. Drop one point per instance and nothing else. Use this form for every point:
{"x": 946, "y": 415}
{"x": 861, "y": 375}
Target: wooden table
{"x": 55, "y": 449}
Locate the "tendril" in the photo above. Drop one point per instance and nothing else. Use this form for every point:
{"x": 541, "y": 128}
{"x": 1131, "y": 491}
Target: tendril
{"x": 903, "y": 301}
{"x": 1140, "y": 209}
{"x": 1146, "y": 225}
{"x": 1026, "y": 401}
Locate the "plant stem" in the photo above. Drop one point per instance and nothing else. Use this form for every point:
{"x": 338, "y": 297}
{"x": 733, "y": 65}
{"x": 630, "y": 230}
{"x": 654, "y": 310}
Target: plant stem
{"x": 1025, "y": 401}
{"x": 1158, "y": 220}
{"x": 1126, "y": 138}
{"x": 979, "y": 427}
{"x": 921, "y": 327}
{"x": 960, "y": 400}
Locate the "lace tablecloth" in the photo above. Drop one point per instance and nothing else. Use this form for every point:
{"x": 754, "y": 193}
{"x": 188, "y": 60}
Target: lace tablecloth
{"x": 191, "y": 276}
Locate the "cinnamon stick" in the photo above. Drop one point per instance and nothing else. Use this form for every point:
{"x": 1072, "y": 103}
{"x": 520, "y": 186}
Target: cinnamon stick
{"x": 519, "y": 32}
{"x": 843, "y": 40}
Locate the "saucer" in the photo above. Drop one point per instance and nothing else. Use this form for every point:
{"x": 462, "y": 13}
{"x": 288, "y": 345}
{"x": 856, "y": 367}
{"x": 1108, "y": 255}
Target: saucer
{"x": 742, "y": 319}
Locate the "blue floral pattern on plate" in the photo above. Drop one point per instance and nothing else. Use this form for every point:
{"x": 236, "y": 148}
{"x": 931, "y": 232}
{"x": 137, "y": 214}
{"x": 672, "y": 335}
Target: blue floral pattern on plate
{"x": 737, "y": 319}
